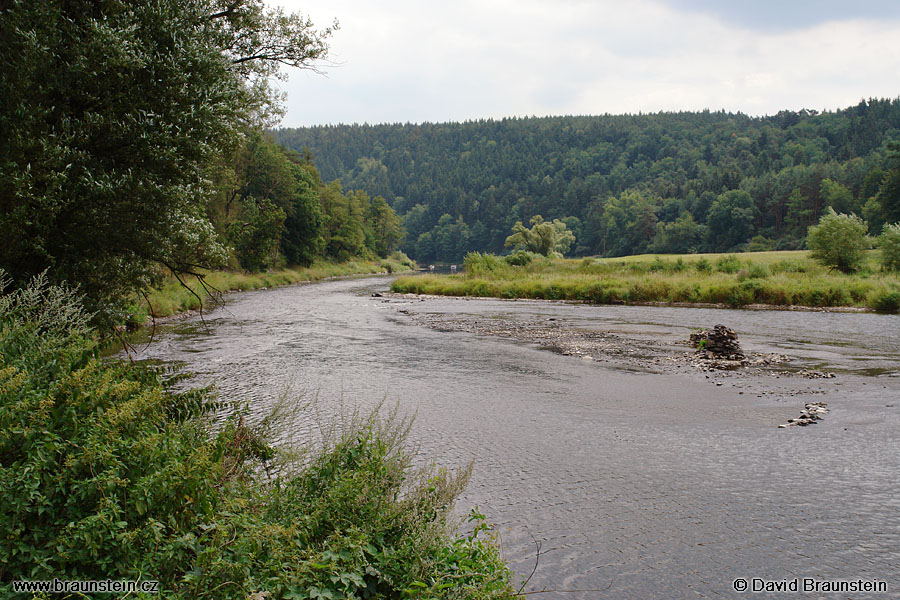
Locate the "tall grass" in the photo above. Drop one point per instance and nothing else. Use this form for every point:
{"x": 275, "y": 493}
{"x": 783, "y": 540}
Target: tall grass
{"x": 173, "y": 297}
{"x": 779, "y": 279}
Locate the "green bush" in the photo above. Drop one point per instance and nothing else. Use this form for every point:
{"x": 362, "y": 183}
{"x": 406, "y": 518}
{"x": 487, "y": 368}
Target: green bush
{"x": 753, "y": 271}
{"x": 839, "y": 241}
{"x": 889, "y": 244}
{"x": 521, "y": 258}
{"x": 103, "y": 475}
{"x": 703, "y": 266}
{"x": 760, "y": 243}
{"x": 479, "y": 264}
{"x": 657, "y": 265}
{"x": 729, "y": 264}
{"x": 886, "y": 302}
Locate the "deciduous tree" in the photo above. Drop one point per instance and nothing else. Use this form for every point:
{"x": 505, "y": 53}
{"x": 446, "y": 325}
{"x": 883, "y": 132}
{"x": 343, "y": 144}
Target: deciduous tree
{"x": 112, "y": 112}
{"x": 544, "y": 237}
{"x": 839, "y": 241}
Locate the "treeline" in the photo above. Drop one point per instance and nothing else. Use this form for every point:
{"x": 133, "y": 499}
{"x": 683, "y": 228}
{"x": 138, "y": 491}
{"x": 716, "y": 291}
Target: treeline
{"x": 626, "y": 184}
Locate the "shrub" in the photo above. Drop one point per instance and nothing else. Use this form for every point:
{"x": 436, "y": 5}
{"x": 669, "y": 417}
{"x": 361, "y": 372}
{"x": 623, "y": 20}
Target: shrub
{"x": 658, "y": 264}
{"x": 479, "y": 264}
{"x": 703, "y": 266}
{"x": 728, "y": 264}
{"x": 760, "y": 243}
{"x": 839, "y": 241}
{"x": 886, "y": 301}
{"x": 102, "y": 476}
{"x": 522, "y": 258}
{"x": 753, "y": 271}
{"x": 889, "y": 244}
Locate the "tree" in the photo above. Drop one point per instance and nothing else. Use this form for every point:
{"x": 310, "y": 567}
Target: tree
{"x": 730, "y": 220}
{"x": 678, "y": 237}
{"x": 345, "y": 236}
{"x": 839, "y": 241}
{"x": 889, "y": 244}
{"x": 424, "y": 247}
{"x": 386, "y": 227}
{"x": 302, "y": 239}
{"x": 263, "y": 171}
{"x": 889, "y": 192}
{"x": 255, "y": 235}
{"x": 544, "y": 237}
{"x": 451, "y": 238}
{"x": 112, "y": 113}
{"x": 838, "y": 197}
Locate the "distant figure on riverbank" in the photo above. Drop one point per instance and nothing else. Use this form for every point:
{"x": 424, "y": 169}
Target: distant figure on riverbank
{"x": 453, "y": 268}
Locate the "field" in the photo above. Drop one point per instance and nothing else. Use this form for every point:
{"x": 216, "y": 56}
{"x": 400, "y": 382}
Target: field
{"x": 775, "y": 279}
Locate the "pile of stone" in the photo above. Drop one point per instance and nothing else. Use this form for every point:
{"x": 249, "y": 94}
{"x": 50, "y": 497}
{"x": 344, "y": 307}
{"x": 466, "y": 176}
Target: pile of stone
{"x": 718, "y": 343}
{"x": 812, "y": 412}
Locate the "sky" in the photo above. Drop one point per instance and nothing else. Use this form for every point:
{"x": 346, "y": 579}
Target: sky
{"x": 399, "y": 61}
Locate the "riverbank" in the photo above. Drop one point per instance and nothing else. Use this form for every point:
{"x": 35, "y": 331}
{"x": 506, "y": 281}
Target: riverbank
{"x": 772, "y": 279}
{"x": 174, "y": 298}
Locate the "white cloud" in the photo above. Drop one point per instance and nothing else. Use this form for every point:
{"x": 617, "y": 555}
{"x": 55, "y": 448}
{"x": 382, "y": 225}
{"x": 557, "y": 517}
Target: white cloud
{"x": 401, "y": 60}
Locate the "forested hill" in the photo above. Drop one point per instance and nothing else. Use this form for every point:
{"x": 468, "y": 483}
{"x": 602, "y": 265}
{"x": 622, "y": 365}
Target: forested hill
{"x": 625, "y": 184}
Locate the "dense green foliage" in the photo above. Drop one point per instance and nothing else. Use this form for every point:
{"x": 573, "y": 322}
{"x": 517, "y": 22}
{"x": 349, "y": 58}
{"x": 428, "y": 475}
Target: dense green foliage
{"x": 839, "y": 241}
{"x": 141, "y": 155}
{"x": 770, "y": 278}
{"x": 889, "y": 243}
{"x": 107, "y": 473}
{"x": 545, "y": 237}
{"x": 113, "y": 112}
{"x": 271, "y": 206}
{"x": 705, "y": 181}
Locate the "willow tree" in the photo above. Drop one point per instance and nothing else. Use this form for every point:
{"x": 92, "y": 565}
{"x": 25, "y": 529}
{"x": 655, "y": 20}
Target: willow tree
{"x": 544, "y": 237}
{"x": 112, "y": 113}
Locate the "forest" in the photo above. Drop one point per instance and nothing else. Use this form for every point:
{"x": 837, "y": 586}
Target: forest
{"x": 624, "y": 184}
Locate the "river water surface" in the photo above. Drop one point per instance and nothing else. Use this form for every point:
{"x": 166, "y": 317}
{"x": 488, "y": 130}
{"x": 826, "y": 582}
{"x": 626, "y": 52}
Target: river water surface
{"x": 636, "y": 479}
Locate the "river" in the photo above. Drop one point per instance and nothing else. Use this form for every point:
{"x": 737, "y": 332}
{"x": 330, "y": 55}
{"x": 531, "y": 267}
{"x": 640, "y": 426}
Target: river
{"x": 637, "y": 477}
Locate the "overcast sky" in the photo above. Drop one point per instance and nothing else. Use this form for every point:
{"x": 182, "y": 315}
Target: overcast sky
{"x": 453, "y": 60}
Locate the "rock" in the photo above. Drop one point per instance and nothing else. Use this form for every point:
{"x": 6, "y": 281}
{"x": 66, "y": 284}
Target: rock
{"x": 810, "y": 415}
{"x": 720, "y": 342}
{"x": 815, "y": 374}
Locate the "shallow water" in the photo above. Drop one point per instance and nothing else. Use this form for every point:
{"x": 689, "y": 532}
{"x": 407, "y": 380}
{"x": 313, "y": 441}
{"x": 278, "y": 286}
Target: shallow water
{"x": 634, "y": 484}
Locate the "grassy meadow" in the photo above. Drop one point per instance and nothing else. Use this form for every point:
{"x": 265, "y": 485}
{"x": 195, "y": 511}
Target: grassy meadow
{"x": 173, "y": 298}
{"x": 780, "y": 279}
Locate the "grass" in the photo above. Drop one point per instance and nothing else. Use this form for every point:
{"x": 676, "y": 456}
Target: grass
{"x": 172, "y": 297}
{"x": 778, "y": 279}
